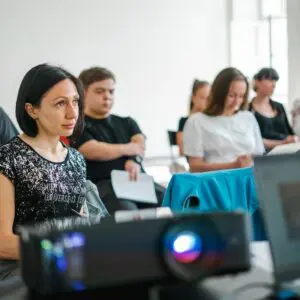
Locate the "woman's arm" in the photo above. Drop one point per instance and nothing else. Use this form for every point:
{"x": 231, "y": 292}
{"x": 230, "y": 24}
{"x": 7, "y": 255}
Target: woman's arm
{"x": 197, "y": 164}
{"x": 179, "y": 142}
{"x": 9, "y": 242}
{"x": 272, "y": 138}
{"x": 270, "y": 144}
{"x": 286, "y": 121}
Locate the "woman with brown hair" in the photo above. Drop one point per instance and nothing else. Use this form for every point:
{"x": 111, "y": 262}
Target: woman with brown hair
{"x": 225, "y": 135}
{"x": 198, "y": 102}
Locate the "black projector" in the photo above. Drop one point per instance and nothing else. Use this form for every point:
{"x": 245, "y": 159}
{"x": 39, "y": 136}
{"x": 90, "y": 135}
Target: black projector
{"x": 181, "y": 249}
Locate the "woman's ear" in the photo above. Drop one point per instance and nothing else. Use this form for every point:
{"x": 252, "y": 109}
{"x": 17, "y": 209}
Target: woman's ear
{"x": 32, "y": 112}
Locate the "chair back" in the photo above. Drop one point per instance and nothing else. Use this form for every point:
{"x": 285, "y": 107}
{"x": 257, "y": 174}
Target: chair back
{"x": 172, "y": 138}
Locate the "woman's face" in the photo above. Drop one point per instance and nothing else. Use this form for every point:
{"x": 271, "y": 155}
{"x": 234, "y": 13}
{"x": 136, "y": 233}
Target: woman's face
{"x": 235, "y": 96}
{"x": 265, "y": 87}
{"x": 200, "y": 98}
{"x": 59, "y": 109}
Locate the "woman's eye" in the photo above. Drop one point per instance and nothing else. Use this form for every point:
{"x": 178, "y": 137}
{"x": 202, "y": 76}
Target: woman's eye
{"x": 60, "y": 104}
{"x": 76, "y": 102}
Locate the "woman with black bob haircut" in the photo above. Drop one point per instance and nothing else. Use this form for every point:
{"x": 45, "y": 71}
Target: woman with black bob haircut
{"x": 40, "y": 178}
{"x": 225, "y": 135}
{"x": 270, "y": 115}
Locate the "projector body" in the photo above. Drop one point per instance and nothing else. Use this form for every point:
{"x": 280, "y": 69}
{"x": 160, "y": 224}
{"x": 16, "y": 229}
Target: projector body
{"x": 115, "y": 254}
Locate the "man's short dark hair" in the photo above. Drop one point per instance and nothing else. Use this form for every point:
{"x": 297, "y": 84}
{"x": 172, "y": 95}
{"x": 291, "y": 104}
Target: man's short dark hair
{"x": 34, "y": 85}
{"x": 94, "y": 74}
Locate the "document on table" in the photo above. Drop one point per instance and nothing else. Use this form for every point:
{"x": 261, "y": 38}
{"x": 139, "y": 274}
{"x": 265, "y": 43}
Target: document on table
{"x": 141, "y": 190}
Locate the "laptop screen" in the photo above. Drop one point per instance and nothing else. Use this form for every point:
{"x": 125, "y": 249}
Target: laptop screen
{"x": 278, "y": 189}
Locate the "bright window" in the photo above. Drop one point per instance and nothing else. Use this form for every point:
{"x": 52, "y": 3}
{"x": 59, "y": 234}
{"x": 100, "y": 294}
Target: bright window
{"x": 259, "y": 39}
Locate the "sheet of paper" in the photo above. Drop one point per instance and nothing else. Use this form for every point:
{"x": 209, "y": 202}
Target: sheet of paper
{"x": 285, "y": 149}
{"x": 141, "y": 190}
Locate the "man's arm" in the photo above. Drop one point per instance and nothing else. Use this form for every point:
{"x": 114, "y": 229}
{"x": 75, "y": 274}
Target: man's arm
{"x": 9, "y": 242}
{"x": 138, "y": 139}
{"x": 94, "y": 150}
{"x": 7, "y": 128}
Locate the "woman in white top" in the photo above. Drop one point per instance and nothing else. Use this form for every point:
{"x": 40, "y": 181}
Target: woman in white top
{"x": 225, "y": 135}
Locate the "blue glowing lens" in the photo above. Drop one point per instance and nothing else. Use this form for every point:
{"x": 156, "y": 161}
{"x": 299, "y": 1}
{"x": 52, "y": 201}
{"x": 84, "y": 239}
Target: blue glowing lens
{"x": 186, "y": 247}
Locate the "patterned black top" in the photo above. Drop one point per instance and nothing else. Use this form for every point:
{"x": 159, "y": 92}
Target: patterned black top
{"x": 43, "y": 189}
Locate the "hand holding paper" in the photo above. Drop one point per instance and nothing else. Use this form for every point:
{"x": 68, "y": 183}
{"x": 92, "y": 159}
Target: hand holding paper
{"x": 133, "y": 169}
{"x": 141, "y": 190}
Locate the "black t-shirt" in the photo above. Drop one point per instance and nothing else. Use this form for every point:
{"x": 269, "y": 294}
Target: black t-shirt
{"x": 44, "y": 190}
{"x": 181, "y": 123}
{"x": 112, "y": 130}
{"x": 7, "y": 128}
{"x": 276, "y": 128}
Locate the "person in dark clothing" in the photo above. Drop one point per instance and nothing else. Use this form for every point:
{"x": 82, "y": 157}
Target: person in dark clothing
{"x": 7, "y": 128}
{"x": 109, "y": 142}
{"x": 40, "y": 178}
{"x": 198, "y": 102}
{"x": 270, "y": 115}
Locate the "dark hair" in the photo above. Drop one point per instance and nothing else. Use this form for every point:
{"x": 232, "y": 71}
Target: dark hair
{"x": 265, "y": 73}
{"x": 220, "y": 88}
{"x": 197, "y": 84}
{"x": 94, "y": 74}
{"x": 34, "y": 85}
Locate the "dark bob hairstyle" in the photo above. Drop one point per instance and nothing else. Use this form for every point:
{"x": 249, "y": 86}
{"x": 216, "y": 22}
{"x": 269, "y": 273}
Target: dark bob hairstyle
{"x": 34, "y": 85}
{"x": 266, "y": 73}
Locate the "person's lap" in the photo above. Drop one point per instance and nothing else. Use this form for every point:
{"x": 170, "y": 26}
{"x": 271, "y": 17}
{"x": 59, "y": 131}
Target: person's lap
{"x": 113, "y": 203}
{"x": 8, "y": 269}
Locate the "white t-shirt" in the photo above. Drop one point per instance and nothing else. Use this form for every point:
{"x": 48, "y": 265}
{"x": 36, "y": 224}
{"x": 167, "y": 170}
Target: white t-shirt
{"x": 222, "y": 139}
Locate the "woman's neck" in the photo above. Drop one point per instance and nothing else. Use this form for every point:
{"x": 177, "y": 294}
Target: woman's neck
{"x": 228, "y": 113}
{"x": 261, "y": 99}
{"x": 44, "y": 143}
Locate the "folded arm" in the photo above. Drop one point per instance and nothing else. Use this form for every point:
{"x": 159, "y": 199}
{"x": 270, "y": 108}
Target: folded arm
{"x": 9, "y": 242}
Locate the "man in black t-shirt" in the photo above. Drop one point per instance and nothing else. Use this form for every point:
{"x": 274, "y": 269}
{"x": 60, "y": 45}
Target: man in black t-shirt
{"x": 109, "y": 142}
{"x": 7, "y": 128}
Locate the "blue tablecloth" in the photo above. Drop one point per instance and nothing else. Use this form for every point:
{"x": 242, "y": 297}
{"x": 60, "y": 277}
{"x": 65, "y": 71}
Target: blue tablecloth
{"x": 225, "y": 190}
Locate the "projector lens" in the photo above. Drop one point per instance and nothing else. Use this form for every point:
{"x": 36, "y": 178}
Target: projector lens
{"x": 186, "y": 247}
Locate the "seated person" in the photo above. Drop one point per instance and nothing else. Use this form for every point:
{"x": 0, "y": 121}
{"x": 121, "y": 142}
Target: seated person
{"x": 225, "y": 135}
{"x": 270, "y": 115}
{"x": 40, "y": 178}
{"x": 198, "y": 102}
{"x": 109, "y": 142}
{"x": 7, "y": 128}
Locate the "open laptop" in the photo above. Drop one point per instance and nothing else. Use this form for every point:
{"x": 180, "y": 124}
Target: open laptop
{"x": 278, "y": 189}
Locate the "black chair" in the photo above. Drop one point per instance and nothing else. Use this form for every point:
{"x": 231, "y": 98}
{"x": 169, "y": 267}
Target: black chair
{"x": 172, "y": 143}
{"x": 176, "y": 166}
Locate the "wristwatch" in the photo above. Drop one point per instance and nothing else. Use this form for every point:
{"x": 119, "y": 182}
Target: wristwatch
{"x": 138, "y": 159}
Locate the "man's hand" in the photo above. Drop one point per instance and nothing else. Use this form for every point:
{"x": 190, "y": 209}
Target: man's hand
{"x": 133, "y": 149}
{"x": 133, "y": 169}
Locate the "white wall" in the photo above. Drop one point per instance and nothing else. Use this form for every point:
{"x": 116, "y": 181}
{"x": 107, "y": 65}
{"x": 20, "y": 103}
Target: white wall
{"x": 155, "y": 48}
{"x": 293, "y": 18}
